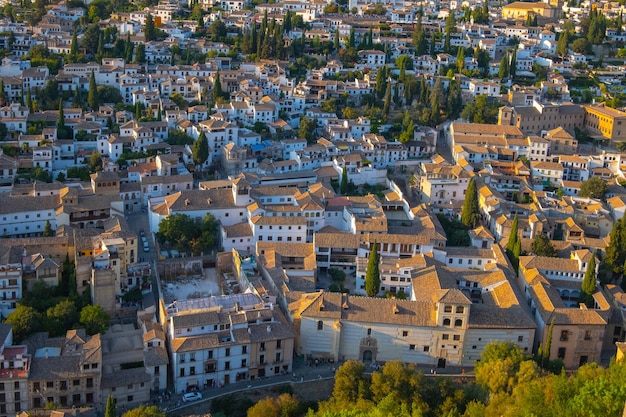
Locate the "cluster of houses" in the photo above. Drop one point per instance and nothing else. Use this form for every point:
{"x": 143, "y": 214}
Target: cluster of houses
{"x": 283, "y": 221}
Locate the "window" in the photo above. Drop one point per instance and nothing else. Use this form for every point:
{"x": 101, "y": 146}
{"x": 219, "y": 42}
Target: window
{"x": 320, "y": 325}
{"x": 405, "y": 333}
{"x": 411, "y": 347}
{"x": 520, "y": 338}
{"x": 262, "y": 346}
{"x": 369, "y": 332}
{"x": 587, "y": 334}
{"x": 564, "y": 335}
{"x": 279, "y": 344}
{"x": 447, "y": 309}
{"x": 456, "y": 337}
{"x": 445, "y": 337}
{"x": 89, "y": 382}
{"x": 227, "y": 352}
{"x": 277, "y": 358}
{"x": 561, "y": 353}
{"x": 460, "y": 310}
{"x": 458, "y": 323}
{"x": 49, "y": 384}
{"x": 210, "y": 354}
{"x": 16, "y": 384}
{"x": 446, "y": 322}
{"x": 262, "y": 359}
{"x": 129, "y": 398}
{"x": 244, "y": 350}
{"x": 426, "y": 348}
{"x": 244, "y": 363}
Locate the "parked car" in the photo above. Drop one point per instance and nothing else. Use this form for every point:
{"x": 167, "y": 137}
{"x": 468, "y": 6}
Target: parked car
{"x": 141, "y": 232}
{"x": 192, "y": 396}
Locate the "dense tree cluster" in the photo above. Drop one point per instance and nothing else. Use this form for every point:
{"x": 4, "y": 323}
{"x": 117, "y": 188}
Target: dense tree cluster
{"x": 56, "y": 309}
{"x": 185, "y": 234}
{"x": 508, "y": 383}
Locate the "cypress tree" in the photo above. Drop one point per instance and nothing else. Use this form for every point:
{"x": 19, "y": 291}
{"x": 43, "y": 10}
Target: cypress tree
{"x": 513, "y": 65}
{"x": 110, "y": 410}
{"x": 433, "y": 41}
{"x": 460, "y": 59}
{"x": 47, "y": 229}
{"x": 470, "y": 215}
{"x": 29, "y": 101}
{"x": 200, "y": 149}
{"x": 510, "y": 246}
{"x": 589, "y": 283}
{"x": 73, "y": 48}
{"x": 387, "y": 102}
{"x": 548, "y": 344}
{"x": 503, "y": 71}
{"x": 287, "y": 23}
{"x": 92, "y": 95}
{"x": 149, "y": 30}
{"x": 63, "y": 132}
{"x": 351, "y": 41}
{"x": 336, "y": 40}
{"x": 217, "y": 88}
{"x": 372, "y": 273}
{"x": 344, "y": 181}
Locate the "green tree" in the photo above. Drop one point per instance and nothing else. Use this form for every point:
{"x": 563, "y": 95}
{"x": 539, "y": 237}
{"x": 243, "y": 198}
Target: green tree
{"x": 145, "y": 411}
{"x": 372, "y": 273}
{"x": 470, "y": 215}
{"x": 347, "y": 380}
{"x": 218, "y": 93}
{"x": 513, "y": 64}
{"x": 594, "y": 187}
{"x": 47, "y": 229}
{"x": 95, "y": 162}
{"x": 588, "y": 286}
{"x": 63, "y": 132}
{"x": 307, "y": 129}
{"x": 498, "y": 367}
{"x": 542, "y": 246}
{"x": 562, "y": 47}
{"x": 460, "y": 59}
{"x": 395, "y": 380}
{"x": 61, "y": 316}
{"x": 177, "y": 230}
{"x": 200, "y": 149}
{"x": 111, "y": 409}
{"x": 344, "y": 181}
{"x": 25, "y": 320}
{"x": 381, "y": 82}
{"x": 503, "y": 71}
{"x": 94, "y": 318}
{"x": 285, "y": 405}
{"x": 150, "y": 31}
{"x": 547, "y": 347}
{"x": 616, "y": 249}
{"x": 387, "y": 102}
{"x": 140, "y": 54}
{"x": 92, "y": 95}
{"x": 513, "y": 236}
{"x": 582, "y": 46}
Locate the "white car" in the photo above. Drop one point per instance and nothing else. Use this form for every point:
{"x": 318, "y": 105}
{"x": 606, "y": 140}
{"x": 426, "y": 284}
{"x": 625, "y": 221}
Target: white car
{"x": 192, "y": 396}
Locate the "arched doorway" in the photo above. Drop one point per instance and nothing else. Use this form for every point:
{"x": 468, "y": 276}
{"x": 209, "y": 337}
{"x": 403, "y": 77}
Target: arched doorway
{"x": 367, "y": 356}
